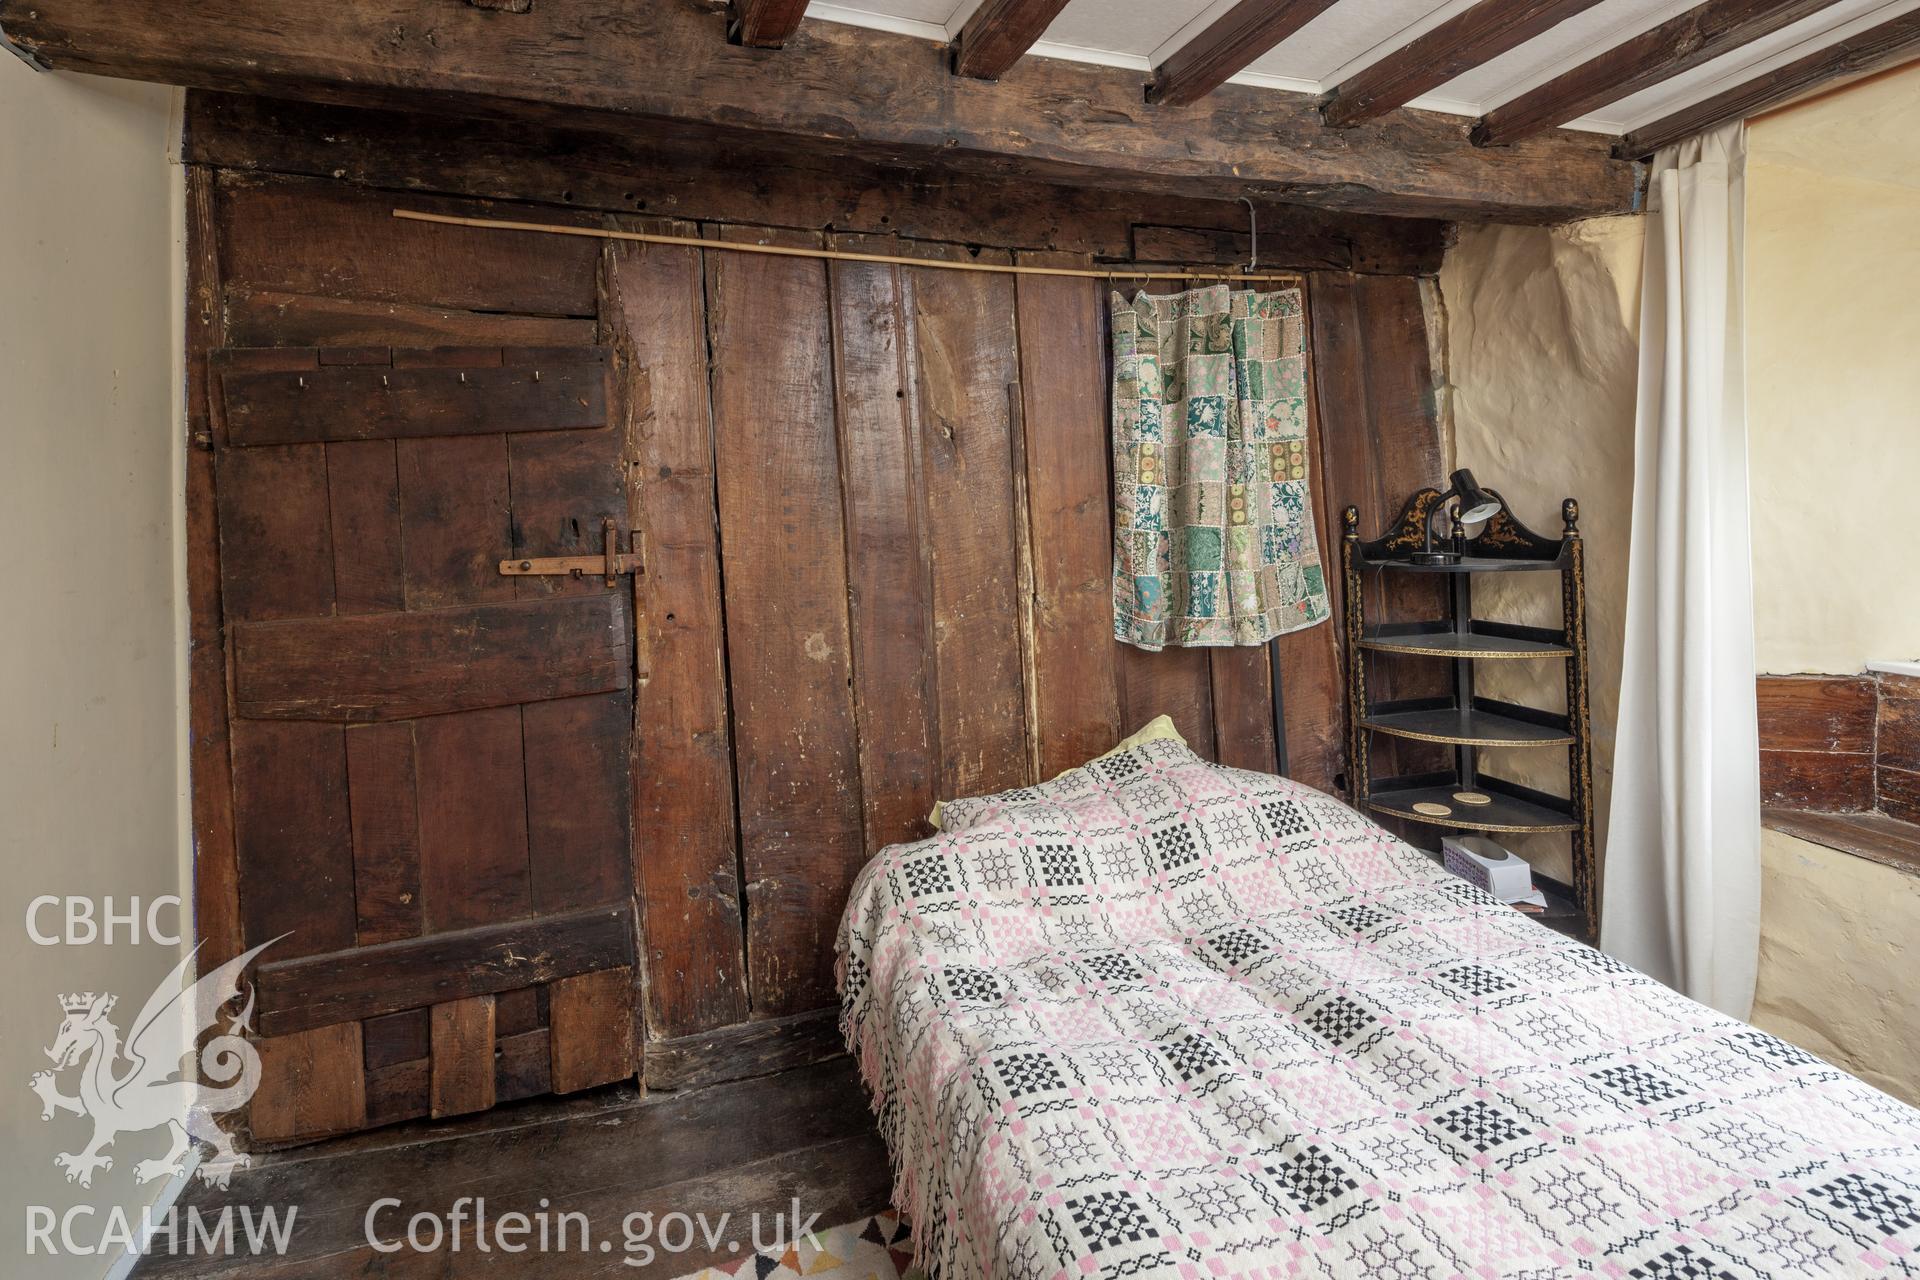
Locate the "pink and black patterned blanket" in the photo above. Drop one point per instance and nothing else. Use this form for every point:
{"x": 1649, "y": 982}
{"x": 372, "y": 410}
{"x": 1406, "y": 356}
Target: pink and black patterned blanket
{"x": 1162, "y": 1018}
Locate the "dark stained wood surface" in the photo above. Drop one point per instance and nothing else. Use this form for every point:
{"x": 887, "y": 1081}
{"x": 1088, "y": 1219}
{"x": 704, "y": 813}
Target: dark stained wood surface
{"x": 1697, "y": 36}
{"x": 784, "y": 567}
{"x": 671, "y": 175}
{"x": 1075, "y": 691}
{"x": 592, "y": 1029}
{"x": 461, "y": 1040}
{"x": 431, "y": 662}
{"x": 1877, "y": 837}
{"x": 745, "y": 1050}
{"x": 1819, "y": 781}
{"x": 998, "y": 33}
{"x": 907, "y": 103}
{"x": 311, "y": 1083}
{"x": 1229, "y": 45}
{"x": 684, "y": 805}
{"x": 878, "y": 406}
{"x": 1886, "y": 45}
{"x": 1465, "y": 41}
{"x": 1817, "y": 713}
{"x": 369, "y": 402}
{"x": 365, "y": 982}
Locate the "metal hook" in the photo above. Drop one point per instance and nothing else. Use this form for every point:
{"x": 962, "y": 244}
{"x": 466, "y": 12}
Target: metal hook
{"x": 384, "y": 382}
{"x": 463, "y": 379}
{"x": 536, "y": 375}
{"x": 1253, "y": 235}
{"x": 302, "y": 382}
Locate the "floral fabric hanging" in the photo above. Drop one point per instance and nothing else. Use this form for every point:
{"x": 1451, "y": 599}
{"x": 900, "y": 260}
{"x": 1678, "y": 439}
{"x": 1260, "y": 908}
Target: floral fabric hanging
{"x": 1214, "y": 538}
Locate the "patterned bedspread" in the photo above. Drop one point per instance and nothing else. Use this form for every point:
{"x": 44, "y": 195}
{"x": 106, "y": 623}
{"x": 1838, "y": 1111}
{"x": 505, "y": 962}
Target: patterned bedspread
{"x": 1165, "y": 1018}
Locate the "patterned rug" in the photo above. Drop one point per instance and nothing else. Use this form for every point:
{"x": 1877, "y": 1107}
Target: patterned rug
{"x": 877, "y": 1248}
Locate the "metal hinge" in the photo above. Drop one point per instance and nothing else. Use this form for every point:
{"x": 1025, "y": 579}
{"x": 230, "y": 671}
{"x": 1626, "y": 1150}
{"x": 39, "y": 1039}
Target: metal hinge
{"x": 610, "y": 564}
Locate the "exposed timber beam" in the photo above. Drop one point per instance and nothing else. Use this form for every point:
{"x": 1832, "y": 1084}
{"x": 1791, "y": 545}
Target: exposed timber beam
{"x": 1859, "y": 55}
{"x": 620, "y": 66}
{"x": 1695, "y": 37}
{"x": 999, "y": 34}
{"x": 766, "y": 24}
{"x": 1458, "y": 45}
{"x": 1227, "y": 47}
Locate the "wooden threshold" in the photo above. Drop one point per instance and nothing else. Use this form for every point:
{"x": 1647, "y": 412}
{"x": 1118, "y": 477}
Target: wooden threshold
{"x": 1873, "y": 836}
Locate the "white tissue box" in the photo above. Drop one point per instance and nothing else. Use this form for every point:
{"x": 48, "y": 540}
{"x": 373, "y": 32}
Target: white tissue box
{"x": 1480, "y": 861}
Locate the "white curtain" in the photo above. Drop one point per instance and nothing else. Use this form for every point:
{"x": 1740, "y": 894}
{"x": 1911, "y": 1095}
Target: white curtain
{"x": 1681, "y": 899}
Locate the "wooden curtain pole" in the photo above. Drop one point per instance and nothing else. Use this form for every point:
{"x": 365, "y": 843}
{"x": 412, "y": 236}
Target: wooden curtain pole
{"x": 785, "y": 251}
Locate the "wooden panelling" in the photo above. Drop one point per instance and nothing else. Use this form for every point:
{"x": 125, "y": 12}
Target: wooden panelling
{"x": 473, "y": 818}
{"x": 375, "y": 403}
{"x": 291, "y": 830}
{"x": 275, "y": 530}
{"x": 365, "y": 982}
{"x": 591, "y": 1038}
{"x": 579, "y": 834}
{"x": 889, "y": 554}
{"x": 312, "y": 1084}
{"x": 1821, "y": 781}
{"x": 1897, "y": 778}
{"x": 875, "y": 507}
{"x": 429, "y": 663}
{"x": 455, "y": 500}
{"x": 966, "y": 365}
{"x": 797, "y": 766}
{"x": 1816, "y": 713}
{"x": 326, "y": 239}
{"x": 683, "y": 787}
{"x": 1075, "y": 685}
{"x": 744, "y": 1051}
{"x": 462, "y": 1056}
{"x": 383, "y": 799}
{"x": 363, "y": 498}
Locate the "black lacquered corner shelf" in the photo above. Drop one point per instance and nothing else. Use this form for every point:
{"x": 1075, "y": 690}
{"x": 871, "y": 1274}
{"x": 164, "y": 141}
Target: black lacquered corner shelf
{"x": 1462, "y": 721}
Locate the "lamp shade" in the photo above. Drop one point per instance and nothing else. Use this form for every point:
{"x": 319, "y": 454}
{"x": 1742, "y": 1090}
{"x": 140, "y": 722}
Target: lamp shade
{"x": 1476, "y": 504}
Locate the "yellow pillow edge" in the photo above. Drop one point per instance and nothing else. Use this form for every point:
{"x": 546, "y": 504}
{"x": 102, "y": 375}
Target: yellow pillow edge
{"x": 1153, "y": 731}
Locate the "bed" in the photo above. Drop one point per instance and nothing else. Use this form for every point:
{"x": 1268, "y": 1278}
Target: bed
{"x": 1164, "y": 1018}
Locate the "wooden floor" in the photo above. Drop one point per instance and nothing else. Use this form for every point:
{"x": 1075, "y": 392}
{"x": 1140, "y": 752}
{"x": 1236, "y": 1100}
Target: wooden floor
{"x": 737, "y": 1149}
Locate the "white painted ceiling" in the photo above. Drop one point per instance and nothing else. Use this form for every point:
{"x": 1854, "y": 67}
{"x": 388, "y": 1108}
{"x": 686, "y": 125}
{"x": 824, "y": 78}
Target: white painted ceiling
{"x": 1353, "y": 33}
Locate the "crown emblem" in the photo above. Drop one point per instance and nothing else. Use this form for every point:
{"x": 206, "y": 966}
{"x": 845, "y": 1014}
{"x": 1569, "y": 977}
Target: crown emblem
{"x": 82, "y": 1001}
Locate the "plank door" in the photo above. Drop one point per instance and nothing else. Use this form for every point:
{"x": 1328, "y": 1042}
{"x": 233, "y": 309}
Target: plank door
{"x": 430, "y": 758}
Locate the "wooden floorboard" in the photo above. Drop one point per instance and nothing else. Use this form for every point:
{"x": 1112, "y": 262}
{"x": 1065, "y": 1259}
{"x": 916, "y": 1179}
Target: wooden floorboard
{"x": 752, "y": 1147}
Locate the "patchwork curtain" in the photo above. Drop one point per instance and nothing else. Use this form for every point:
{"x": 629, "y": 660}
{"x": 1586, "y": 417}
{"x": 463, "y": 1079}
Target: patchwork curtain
{"x": 1213, "y": 525}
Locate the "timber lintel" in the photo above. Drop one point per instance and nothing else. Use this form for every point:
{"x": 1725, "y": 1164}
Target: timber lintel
{"x": 666, "y": 67}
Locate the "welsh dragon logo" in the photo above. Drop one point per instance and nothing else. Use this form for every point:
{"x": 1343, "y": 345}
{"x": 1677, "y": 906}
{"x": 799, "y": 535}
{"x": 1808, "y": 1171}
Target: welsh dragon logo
{"x": 151, "y": 1091}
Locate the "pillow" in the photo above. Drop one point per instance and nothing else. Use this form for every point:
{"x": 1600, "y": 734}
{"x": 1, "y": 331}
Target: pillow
{"x": 1155, "y": 729}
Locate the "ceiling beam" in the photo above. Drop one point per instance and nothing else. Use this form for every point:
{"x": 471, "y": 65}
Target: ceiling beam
{"x": 1458, "y": 45}
{"x": 999, "y": 33}
{"x": 1859, "y": 55}
{"x": 766, "y": 24}
{"x": 1228, "y": 46}
{"x": 614, "y": 65}
{"x": 1695, "y": 37}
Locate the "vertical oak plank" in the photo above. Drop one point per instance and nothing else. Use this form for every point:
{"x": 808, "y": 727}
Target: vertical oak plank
{"x": 384, "y": 803}
{"x": 591, "y": 1038}
{"x": 291, "y": 832}
{"x": 462, "y": 1076}
{"x": 784, "y": 557}
{"x": 877, "y": 405}
{"x": 363, "y": 493}
{"x": 966, "y": 360}
{"x": 454, "y": 507}
{"x": 473, "y": 818}
{"x": 1242, "y": 689}
{"x": 276, "y": 554}
{"x": 686, "y": 861}
{"x": 579, "y": 837}
{"x": 1075, "y": 696}
{"x": 312, "y": 1083}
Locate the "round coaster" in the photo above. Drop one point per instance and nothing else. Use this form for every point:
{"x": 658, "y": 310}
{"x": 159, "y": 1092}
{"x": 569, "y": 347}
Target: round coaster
{"x": 1472, "y": 797}
{"x": 1431, "y": 809}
